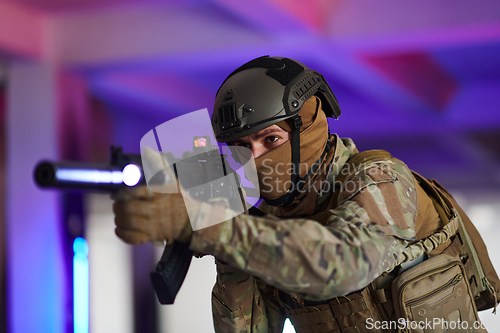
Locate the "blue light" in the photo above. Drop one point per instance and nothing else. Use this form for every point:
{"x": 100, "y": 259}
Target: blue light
{"x": 81, "y": 286}
{"x": 90, "y": 176}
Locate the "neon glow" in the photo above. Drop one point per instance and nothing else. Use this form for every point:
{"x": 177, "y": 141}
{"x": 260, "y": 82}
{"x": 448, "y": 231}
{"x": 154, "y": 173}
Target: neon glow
{"x": 80, "y": 286}
{"x": 131, "y": 175}
{"x": 90, "y": 176}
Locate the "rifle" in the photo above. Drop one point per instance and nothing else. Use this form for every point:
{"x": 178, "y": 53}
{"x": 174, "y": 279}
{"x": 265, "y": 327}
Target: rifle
{"x": 204, "y": 165}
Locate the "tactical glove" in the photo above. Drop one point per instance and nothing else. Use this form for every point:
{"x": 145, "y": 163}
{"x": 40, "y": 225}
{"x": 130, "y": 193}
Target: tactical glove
{"x": 142, "y": 215}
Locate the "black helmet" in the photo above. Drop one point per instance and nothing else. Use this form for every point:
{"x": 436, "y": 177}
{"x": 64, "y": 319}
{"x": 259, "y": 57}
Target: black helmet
{"x": 265, "y": 91}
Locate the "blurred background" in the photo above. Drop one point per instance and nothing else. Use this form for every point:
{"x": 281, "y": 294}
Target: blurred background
{"x": 420, "y": 79}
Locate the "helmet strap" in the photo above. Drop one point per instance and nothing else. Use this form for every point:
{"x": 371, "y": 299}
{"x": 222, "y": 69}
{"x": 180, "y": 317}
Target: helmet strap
{"x": 295, "y": 177}
{"x": 296, "y": 182}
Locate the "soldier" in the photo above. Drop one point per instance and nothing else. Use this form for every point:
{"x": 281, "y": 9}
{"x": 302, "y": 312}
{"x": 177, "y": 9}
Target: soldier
{"x": 330, "y": 228}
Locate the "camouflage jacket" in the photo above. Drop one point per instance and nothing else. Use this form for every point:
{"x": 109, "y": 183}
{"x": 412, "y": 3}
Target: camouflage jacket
{"x": 362, "y": 235}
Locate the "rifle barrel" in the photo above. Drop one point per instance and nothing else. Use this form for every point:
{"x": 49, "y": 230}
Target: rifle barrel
{"x": 73, "y": 175}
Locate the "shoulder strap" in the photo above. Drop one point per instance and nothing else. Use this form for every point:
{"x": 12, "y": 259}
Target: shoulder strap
{"x": 439, "y": 196}
{"x": 353, "y": 164}
{"x": 448, "y": 215}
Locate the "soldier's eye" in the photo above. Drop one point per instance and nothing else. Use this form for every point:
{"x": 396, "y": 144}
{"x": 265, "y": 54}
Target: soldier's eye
{"x": 272, "y": 139}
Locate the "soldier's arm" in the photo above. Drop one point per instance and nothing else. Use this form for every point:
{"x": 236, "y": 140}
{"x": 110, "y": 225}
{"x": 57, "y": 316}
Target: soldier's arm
{"x": 363, "y": 237}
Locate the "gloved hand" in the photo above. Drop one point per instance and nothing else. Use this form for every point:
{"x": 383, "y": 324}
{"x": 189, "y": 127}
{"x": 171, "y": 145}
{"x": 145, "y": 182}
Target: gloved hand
{"x": 142, "y": 215}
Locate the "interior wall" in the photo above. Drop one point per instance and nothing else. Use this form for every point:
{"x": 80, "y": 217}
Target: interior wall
{"x": 194, "y": 298}
{"x": 3, "y": 308}
{"x": 110, "y": 260}
{"x": 36, "y": 256}
{"x": 483, "y": 208}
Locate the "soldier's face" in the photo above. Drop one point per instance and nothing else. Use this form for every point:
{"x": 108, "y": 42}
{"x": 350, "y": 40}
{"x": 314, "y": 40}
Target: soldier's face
{"x": 264, "y": 140}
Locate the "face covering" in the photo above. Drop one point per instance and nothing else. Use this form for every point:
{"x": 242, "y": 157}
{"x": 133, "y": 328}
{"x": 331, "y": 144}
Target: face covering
{"x": 275, "y": 167}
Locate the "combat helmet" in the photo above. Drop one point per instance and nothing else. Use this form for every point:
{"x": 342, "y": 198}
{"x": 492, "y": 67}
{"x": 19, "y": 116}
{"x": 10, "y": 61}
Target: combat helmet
{"x": 266, "y": 91}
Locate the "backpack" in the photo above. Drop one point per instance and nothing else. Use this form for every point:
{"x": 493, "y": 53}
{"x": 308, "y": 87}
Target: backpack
{"x": 443, "y": 292}
{"x": 466, "y": 244}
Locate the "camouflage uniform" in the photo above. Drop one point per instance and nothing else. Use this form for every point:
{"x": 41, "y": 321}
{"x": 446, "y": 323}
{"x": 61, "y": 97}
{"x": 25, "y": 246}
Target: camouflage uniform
{"x": 358, "y": 232}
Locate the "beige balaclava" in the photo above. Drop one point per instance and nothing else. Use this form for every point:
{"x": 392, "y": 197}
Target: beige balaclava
{"x": 275, "y": 167}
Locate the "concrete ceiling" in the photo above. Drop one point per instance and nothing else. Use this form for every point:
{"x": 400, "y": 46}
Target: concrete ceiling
{"x": 418, "y": 78}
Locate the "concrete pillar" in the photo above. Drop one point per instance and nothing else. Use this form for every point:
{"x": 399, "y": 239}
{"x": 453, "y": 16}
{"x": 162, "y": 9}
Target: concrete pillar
{"x": 36, "y": 282}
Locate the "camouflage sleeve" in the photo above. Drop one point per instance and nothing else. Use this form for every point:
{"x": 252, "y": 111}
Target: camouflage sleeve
{"x": 362, "y": 238}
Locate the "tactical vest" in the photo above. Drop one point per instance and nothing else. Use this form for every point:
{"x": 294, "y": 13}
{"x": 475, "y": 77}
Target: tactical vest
{"x": 442, "y": 227}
